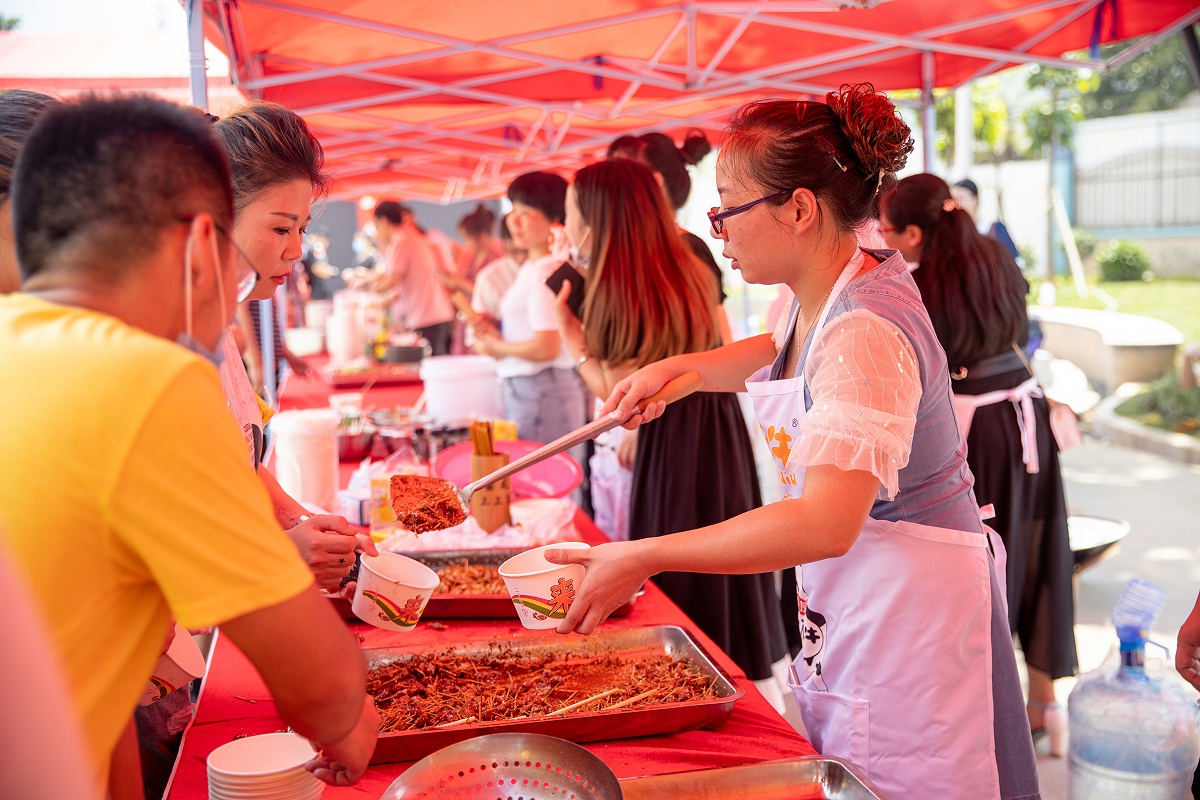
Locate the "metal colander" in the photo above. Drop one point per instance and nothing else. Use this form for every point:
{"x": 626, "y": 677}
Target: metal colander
{"x": 508, "y": 766}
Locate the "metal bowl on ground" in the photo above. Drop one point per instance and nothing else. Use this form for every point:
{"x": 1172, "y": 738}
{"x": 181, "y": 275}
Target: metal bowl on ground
{"x": 355, "y": 442}
{"x": 1094, "y": 539}
{"x": 528, "y": 765}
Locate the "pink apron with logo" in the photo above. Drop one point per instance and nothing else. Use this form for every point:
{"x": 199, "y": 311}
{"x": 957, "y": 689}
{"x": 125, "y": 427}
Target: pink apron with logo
{"x": 896, "y": 673}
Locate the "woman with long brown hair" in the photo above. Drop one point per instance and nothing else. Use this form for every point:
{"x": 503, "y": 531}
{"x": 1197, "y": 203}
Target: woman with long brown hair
{"x": 647, "y": 298}
{"x": 975, "y": 295}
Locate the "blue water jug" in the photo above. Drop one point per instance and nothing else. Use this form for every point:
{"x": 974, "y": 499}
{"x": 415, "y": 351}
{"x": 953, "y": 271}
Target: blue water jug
{"x": 1134, "y": 736}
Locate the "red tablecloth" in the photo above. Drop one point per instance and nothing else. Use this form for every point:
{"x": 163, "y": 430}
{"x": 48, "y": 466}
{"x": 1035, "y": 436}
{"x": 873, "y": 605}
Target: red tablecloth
{"x": 235, "y": 701}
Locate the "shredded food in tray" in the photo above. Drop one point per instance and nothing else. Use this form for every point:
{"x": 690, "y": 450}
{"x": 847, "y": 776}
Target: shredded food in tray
{"x": 447, "y": 688}
{"x": 425, "y": 504}
{"x": 463, "y": 577}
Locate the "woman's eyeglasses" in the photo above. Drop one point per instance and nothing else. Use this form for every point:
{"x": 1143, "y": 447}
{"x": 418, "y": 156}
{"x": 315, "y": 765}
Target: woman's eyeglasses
{"x": 247, "y": 275}
{"x": 718, "y": 217}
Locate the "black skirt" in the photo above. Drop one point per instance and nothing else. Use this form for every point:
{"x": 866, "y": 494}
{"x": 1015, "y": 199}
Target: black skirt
{"x": 694, "y": 468}
{"x": 1031, "y": 518}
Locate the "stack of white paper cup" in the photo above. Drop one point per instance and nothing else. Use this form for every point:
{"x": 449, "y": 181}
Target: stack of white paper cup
{"x": 342, "y": 338}
{"x": 306, "y": 455}
{"x": 267, "y": 767}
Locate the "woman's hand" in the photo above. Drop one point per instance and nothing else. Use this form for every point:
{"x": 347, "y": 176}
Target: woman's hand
{"x": 344, "y": 762}
{"x": 1187, "y": 648}
{"x": 615, "y": 573}
{"x": 638, "y": 386}
{"x": 569, "y": 327}
{"x": 326, "y": 543}
{"x": 627, "y": 449}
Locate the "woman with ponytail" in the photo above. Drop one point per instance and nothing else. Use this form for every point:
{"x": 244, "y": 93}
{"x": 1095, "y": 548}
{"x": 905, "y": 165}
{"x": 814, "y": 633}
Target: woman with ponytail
{"x": 908, "y": 668}
{"x": 975, "y": 295}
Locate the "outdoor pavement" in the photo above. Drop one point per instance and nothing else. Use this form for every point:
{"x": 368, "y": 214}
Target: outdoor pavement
{"x": 1160, "y": 499}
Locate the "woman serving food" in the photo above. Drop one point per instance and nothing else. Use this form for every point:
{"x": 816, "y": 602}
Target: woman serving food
{"x": 908, "y": 669}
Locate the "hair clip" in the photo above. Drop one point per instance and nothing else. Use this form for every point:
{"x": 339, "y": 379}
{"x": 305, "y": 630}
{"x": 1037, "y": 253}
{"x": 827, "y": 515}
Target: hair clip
{"x": 841, "y": 166}
{"x": 949, "y": 204}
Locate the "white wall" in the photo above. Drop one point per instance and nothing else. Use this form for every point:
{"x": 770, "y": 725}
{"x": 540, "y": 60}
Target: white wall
{"x": 1101, "y": 140}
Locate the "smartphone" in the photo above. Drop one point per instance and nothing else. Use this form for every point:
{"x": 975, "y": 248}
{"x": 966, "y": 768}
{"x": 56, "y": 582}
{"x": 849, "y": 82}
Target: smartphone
{"x": 568, "y": 273}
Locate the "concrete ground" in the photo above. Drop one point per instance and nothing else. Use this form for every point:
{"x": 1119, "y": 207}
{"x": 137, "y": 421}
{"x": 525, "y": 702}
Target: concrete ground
{"x": 1161, "y": 501}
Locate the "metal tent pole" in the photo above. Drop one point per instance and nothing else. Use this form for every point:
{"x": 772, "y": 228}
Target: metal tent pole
{"x": 197, "y": 77}
{"x": 1193, "y": 48}
{"x": 928, "y": 110}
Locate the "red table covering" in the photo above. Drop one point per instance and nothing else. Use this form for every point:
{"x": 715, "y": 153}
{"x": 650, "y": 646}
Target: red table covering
{"x": 234, "y": 700}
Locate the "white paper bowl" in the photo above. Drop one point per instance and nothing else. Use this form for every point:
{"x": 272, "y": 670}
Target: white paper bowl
{"x": 542, "y": 592}
{"x": 259, "y": 759}
{"x": 180, "y": 665}
{"x": 392, "y": 591}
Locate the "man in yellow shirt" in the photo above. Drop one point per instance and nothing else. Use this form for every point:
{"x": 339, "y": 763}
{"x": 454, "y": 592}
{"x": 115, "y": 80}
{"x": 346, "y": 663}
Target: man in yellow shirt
{"x": 125, "y": 494}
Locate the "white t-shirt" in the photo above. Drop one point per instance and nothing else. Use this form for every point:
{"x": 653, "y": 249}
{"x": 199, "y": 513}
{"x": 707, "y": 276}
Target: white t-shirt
{"x": 491, "y": 282}
{"x": 528, "y": 307}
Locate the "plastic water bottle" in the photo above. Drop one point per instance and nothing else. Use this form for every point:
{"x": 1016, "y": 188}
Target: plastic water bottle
{"x": 1133, "y": 736}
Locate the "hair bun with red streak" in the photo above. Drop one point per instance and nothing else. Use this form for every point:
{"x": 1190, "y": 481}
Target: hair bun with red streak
{"x": 880, "y": 139}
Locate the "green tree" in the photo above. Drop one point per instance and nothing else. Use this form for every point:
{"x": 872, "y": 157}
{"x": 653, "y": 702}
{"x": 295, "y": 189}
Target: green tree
{"x": 9, "y": 23}
{"x": 1051, "y": 120}
{"x": 1157, "y": 79}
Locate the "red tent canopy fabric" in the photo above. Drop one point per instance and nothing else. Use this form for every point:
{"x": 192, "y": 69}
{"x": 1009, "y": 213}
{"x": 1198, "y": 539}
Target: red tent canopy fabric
{"x": 450, "y": 100}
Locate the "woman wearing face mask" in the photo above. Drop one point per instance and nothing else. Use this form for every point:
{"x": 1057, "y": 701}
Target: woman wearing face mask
{"x": 277, "y": 168}
{"x": 975, "y": 295}
{"x": 647, "y": 298}
{"x": 908, "y": 669}
{"x": 542, "y": 391}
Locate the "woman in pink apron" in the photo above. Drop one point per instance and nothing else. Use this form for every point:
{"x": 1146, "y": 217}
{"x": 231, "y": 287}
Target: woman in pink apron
{"x": 908, "y": 669}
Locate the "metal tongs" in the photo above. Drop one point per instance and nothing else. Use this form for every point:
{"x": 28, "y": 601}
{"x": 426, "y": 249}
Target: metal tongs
{"x": 676, "y": 389}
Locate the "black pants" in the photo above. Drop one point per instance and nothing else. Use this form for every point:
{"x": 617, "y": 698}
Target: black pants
{"x": 438, "y": 337}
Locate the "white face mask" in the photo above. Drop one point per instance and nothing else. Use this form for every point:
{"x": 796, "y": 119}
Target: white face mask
{"x": 576, "y": 254}
{"x": 187, "y": 339}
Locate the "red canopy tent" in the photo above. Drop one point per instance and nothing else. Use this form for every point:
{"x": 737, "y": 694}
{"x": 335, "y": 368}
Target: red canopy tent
{"x": 450, "y": 100}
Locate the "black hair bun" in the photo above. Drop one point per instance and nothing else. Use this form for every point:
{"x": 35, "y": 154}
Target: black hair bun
{"x": 695, "y": 147}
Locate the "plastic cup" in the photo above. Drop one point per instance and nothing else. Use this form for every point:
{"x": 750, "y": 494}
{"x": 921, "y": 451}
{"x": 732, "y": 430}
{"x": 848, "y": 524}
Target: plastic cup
{"x": 180, "y": 665}
{"x": 392, "y": 591}
{"x": 541, "y": 591}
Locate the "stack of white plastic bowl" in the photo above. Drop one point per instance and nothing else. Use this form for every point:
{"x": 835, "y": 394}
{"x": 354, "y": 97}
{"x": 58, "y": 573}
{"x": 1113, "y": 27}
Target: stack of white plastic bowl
{"x": 267, "y": 767}
{"x": 306, "y": 454}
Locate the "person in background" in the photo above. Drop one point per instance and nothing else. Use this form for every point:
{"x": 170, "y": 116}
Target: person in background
{"x": 669, "y": 165}
{"x": 966, "y": 194}
{"x": 975, "y": 295}
{"x": 129, "y": 285}
{"x": 494, "y": 279}
{"x": 542, "y": 391}
{"x": 19, "y": 110}
{"x": 648, "y": 298}
{"x": 410, "y": 273}
{"x": 908, "y": 669}
{"x": 481, "y": 247}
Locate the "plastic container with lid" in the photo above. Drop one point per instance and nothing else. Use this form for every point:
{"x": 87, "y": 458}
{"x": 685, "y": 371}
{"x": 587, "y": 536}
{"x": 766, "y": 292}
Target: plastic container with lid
{"x": 1134, "y": 736}
{"x": 461, "y": 388}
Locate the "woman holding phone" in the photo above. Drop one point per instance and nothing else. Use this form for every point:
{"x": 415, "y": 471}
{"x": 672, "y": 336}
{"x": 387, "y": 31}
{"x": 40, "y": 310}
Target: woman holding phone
{"x": 648, "y": 298}
{"x": 542, "y": 391}
{"x": 908, "y": 669}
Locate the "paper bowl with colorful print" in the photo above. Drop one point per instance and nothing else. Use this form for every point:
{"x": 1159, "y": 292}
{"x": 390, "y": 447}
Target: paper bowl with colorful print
{"x": 542, "y": 592}
{"x": 392, "y": 591}
{"x": 179, "y": 666}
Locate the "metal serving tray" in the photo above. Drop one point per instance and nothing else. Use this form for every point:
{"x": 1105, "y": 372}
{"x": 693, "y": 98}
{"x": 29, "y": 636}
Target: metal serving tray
{"x": 474, "y": 606}
{"x": 595, "y": 726}
{"x": 809, "y": 778}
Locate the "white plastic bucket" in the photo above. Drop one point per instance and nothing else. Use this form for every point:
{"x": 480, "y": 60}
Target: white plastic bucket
{"x": 316, "y": 312}
{"x": 461, "y": 387}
